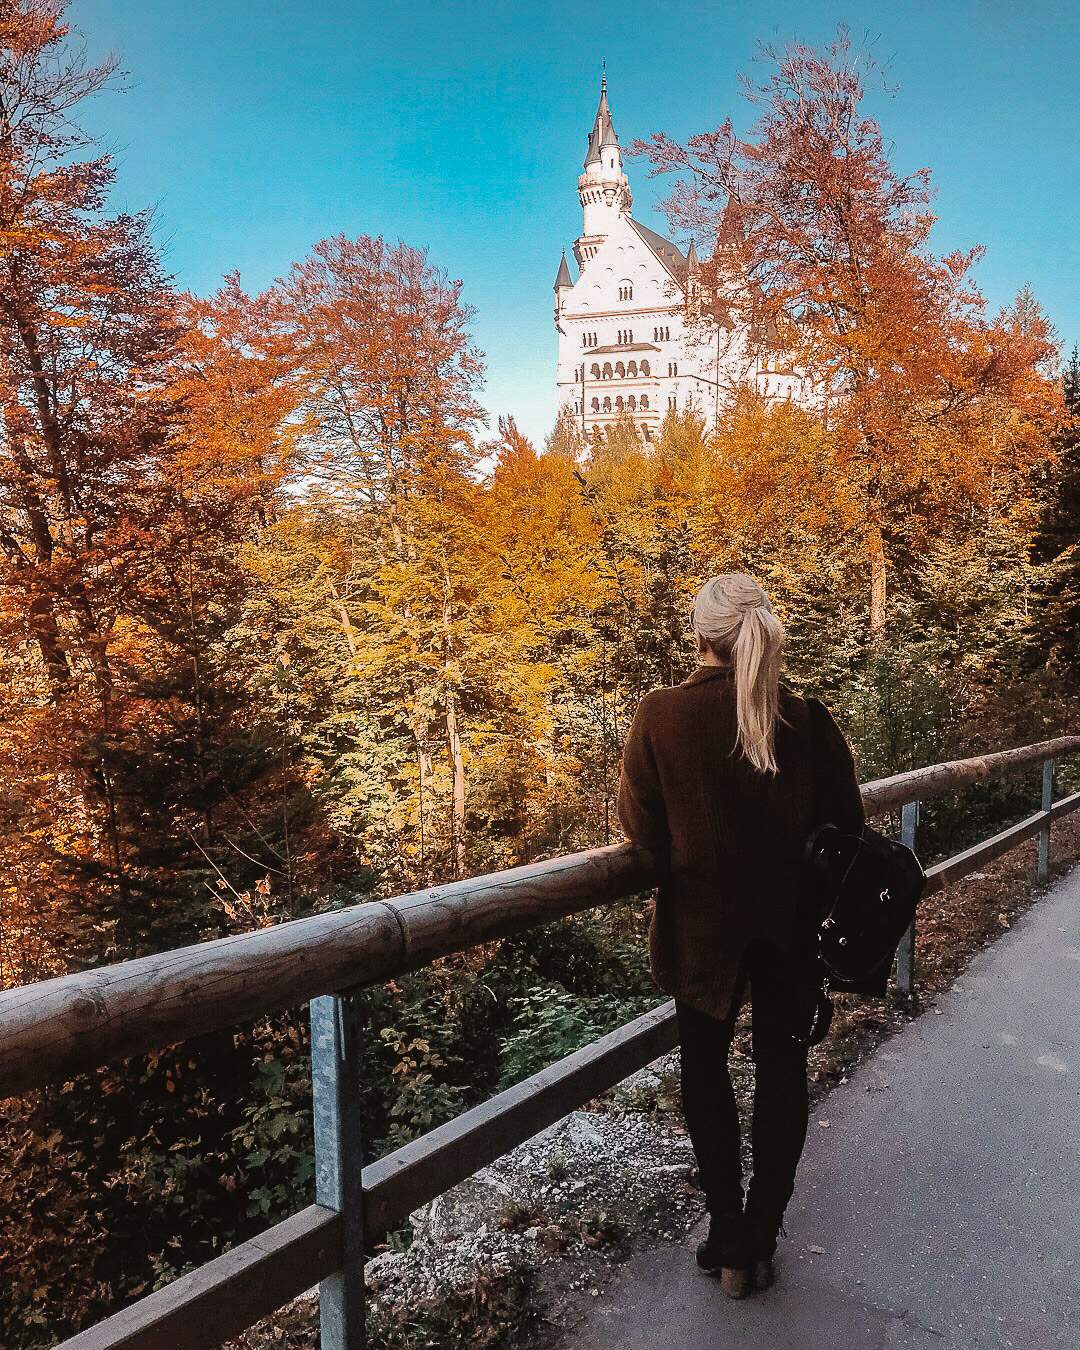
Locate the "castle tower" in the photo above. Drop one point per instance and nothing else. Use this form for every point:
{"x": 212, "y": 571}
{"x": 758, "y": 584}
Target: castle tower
{"x": 603, "y": 188}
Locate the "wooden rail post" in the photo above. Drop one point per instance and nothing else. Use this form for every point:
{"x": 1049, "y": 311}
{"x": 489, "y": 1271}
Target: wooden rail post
{"x": 339, "y": 1163}
{"x": 1047, "y": 802}
{"x": 905, "y": 952}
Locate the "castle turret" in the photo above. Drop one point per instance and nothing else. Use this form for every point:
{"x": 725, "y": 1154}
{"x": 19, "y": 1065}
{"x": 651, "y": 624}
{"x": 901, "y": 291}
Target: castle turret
{"x": 603, "y": 188}
{"x": 563, "y": 283}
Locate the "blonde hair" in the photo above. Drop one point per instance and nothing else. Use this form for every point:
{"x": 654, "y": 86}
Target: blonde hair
{"x": 733, "y": 615}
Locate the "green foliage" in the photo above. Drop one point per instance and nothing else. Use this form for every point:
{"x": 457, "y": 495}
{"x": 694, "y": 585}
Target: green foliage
{"x": 550, "y": 1023}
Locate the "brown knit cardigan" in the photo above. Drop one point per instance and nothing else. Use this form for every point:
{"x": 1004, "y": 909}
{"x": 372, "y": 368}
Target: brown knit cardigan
{"x": 734, "y": 837}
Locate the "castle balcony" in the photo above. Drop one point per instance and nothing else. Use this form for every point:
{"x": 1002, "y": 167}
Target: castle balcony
{"x": 619, "y": 347}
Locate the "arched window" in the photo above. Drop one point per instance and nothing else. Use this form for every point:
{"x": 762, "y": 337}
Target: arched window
{"x": 631, "y": 370}
{"x": 607, "y": 405}
{"x": 631, "y": 403}
{"x": 620, "y": 369}
{"x": 594, "y": 371}
{"x": 630, "y": 336}
{"x": 595, "y": 405}
{"x": 644, "y": 400}
{"x": 619, "y": 403}
{"x": 644, "y": 367}
{"x": 607, "y": 370}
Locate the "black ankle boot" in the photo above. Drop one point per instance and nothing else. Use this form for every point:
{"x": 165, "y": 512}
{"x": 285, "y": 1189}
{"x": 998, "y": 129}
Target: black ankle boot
{"x": 727, "y": 1252}
{"x": 764, "y": 1224}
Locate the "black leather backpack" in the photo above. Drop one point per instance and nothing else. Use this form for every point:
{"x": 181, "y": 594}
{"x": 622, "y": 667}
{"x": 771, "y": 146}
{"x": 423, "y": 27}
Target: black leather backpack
{"x": 869, "y": 888}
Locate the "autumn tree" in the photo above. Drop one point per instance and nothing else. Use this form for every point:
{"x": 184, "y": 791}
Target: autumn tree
{"x": 85, "y": 325}
{"x": 1056, "y": 546}
{"x": 143, "y": 436}
{"x": 820, "y": 247}
{"x": 391, "y": 373}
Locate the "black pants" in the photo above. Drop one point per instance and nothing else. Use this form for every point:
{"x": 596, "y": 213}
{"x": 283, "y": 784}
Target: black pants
{"x": 780, "y": 1093}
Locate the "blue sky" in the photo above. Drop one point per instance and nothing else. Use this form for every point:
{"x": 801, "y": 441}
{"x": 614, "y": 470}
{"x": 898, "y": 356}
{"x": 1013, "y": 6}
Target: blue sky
{"x": 258, "y": 127}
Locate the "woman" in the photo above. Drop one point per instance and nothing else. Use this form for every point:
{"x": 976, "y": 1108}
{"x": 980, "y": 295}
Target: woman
{"x": 728, "y": 773}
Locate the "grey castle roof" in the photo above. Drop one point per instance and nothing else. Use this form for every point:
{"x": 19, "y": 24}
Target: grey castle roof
{"x": 563, "y": 279}
{"x": 603, "y": 128}
{"x": 669, "y": 254}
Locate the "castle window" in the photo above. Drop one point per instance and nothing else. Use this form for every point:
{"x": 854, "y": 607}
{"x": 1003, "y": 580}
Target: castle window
{"x": 619, "y": 403}
{"x": 620, "y": 370}
{"x": 607, "y": 405}
{"x": 644, "y": 367}
{"x": 631, "y": 369}
{"x": 594, "y": 371}
{"x": 631, "y": 403}
{"x": 671, "y": 401}
{"x": 595, "y": 405}
{"x": 644, "y": 401}
{"x": 607, "y": 370}
{"x": 626, "y": 291}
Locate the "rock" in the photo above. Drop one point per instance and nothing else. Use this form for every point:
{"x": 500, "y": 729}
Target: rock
{"x": 582, "y": 1133}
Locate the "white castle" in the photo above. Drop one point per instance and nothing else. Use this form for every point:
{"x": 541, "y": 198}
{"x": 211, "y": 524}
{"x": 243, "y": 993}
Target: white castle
{"x": 632, "y": 337}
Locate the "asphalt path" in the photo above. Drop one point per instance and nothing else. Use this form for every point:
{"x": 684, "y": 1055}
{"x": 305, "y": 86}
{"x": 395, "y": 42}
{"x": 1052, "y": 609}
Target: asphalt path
{"x": 939, "y": 1207}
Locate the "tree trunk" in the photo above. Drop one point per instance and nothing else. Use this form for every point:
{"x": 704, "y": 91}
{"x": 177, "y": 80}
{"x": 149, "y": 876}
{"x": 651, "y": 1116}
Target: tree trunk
{"x": 453, "y": 740}
{"x": 876, "y": 548}
{"x": 347, "y": 626}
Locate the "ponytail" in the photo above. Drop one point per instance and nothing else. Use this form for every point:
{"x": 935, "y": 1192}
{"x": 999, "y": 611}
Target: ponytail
{"x": 733, "y": 615}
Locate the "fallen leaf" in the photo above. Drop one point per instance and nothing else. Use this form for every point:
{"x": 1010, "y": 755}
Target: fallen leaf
{"x": 818, "y": 1251}
{"x": 824, "y": 1124}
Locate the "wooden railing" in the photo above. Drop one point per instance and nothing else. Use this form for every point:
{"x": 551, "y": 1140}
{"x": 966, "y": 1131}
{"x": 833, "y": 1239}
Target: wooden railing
{"x": 58, "y": 1028}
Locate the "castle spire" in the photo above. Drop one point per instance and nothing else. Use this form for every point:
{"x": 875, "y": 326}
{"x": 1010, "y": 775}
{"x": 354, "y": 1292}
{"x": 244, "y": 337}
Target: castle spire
{"x": 603, "y": 189}
{"x": 603, "y": 128}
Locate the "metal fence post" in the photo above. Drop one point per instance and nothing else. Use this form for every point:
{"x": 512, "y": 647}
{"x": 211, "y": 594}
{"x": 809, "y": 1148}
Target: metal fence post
{"x": 905, "y": 952}
{"x": 1047, "y": 802}
{"x": 339, "y": 1163}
